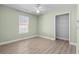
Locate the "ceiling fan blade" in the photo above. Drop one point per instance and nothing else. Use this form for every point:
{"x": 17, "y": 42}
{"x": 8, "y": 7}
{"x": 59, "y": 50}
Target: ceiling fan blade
{"x": 42, "y": 9}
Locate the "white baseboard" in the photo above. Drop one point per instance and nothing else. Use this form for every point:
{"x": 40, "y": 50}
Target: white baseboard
{"x": 46, "y": 37}
{"x": 72, "y": 43}
{"x": 7, "y": 42}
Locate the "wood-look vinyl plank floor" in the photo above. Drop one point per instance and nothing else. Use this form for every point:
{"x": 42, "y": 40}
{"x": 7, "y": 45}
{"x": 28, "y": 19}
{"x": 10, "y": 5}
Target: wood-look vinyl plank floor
{"x": 38, "y": 45}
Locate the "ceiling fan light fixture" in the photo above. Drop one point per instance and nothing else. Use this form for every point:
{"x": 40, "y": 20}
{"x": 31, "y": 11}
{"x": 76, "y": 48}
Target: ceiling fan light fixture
{"x": 38, "y": 8}
{"x": 37, "y": 11}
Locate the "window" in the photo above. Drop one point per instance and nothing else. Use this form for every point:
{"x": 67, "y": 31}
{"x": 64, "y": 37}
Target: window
{"x": 23, "y": 24}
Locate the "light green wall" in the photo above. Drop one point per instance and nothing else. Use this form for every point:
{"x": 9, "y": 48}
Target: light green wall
{"x": 9, "y": 24}
{"x": 46, "y": 23}
{"x": 77, "y": 49}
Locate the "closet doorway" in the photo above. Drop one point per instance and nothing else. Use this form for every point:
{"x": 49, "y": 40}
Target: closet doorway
{"x": 62, "y": 27}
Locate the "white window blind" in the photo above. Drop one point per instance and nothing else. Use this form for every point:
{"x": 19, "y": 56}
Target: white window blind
{"x": 23, "y": 24}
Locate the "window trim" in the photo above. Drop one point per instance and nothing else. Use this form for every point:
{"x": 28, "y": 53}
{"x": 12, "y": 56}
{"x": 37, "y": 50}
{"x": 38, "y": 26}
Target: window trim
{"x": 27, "y": 24}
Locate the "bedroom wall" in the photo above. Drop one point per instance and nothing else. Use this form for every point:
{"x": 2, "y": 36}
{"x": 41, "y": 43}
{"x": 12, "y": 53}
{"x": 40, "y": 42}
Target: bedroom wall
{"x": 77, "y": 48}
{"x": 46, "y": 22}
{"x": 9, "y": 24}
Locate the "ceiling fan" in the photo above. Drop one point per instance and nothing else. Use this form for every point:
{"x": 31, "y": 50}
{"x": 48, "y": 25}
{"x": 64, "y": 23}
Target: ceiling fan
{"x": 38, "y": 8}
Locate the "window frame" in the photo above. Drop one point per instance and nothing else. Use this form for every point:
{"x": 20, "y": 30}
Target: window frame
{"x": 26, "y": 23}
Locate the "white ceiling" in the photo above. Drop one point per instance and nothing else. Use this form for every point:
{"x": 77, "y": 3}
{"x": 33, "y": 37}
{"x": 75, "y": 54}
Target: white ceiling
{"x": 29, "y": 7}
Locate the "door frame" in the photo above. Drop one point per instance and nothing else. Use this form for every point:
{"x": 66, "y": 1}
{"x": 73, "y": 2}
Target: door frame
{"x": 55, "y": 24}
